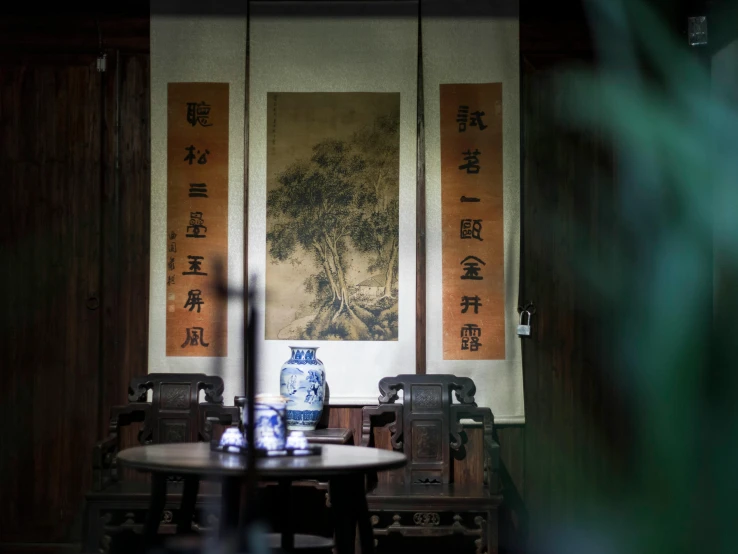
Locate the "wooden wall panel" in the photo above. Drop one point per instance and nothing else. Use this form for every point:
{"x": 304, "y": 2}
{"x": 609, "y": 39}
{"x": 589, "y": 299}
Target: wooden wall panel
{"x": 513, "y": 514}
{"x": 50, "y": 162}
{"x": 67, "y": 37}
{"x": 76, "y": 164}
{"x": 127, "y": 232}
{"x": 348, "y": 417}
{"x": 574, "y": 438}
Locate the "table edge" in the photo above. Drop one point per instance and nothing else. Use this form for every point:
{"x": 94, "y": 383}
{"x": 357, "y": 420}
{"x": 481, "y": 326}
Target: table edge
{"x": 270, "y": 473}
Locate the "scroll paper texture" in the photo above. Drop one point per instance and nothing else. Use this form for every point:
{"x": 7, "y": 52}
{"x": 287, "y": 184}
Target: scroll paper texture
{"x": 374, "y": 53}
{"x": 473, "y": 48}
{"x": 197, "y": 218}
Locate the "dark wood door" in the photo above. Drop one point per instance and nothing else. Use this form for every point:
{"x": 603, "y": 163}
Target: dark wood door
{"x": 50, "y": 162}
{"x": 74, "y": 248}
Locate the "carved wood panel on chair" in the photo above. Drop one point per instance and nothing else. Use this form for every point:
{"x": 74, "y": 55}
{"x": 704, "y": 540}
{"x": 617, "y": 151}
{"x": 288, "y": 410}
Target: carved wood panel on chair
{"x": 424, "y": 499}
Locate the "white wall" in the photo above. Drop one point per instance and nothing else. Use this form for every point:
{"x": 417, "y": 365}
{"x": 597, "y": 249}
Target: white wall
{"x": 194, "y": 49}
{"x": 471, "y": 48}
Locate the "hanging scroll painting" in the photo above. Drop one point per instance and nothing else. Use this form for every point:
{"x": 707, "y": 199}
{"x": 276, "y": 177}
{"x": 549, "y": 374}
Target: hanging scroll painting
{"x": 331, "y": 196}
{"x": 197, "y": 218}
{"x": 472, "y": 140}
{"x": 333, "y": 170}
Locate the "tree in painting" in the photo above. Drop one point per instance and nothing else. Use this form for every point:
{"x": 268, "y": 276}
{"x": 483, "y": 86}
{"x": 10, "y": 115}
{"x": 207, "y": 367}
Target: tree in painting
{"x": 342, "y": 202}
{"x": 377, "y": 231}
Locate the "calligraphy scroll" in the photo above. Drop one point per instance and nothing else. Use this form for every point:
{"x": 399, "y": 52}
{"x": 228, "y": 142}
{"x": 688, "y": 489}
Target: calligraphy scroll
{"x": 472, "y": 221}
{"x": 197, "y": 218}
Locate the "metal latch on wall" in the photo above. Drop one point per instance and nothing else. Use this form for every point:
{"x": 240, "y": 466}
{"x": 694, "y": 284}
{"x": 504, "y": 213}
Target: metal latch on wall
{"x": 697, "y": 30}
{"x": 526, "y": 312}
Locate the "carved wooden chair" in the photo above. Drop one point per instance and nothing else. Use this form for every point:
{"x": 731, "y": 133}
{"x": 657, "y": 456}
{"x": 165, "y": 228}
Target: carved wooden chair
{"x": 449, "y": 486}
{"x": 175, "y": 414}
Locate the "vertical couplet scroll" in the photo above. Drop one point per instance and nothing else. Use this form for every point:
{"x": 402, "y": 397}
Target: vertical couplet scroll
{"x": 197, "y": 218}
{"x": 472, "y": 220}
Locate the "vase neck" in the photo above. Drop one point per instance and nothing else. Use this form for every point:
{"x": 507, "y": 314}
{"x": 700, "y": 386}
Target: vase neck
{"x": 307, "y": 353}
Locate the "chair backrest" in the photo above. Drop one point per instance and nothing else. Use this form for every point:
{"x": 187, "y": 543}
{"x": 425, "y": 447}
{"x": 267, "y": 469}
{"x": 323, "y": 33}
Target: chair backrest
{"x": 428, "y": 425}
{"x": 175, "y": 413}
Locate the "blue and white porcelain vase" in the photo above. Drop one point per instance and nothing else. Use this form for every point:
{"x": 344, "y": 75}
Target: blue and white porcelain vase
{"x": 302, "y": 383}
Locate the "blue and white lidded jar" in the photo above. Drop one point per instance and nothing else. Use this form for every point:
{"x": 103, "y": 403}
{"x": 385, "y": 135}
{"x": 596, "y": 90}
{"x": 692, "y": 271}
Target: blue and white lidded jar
{"x": 302, "y": 383}
{"x": 269, "y": 414}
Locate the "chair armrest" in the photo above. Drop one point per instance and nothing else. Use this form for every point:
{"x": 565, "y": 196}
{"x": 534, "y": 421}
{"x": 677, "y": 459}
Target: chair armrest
{"x": 104, "y": 458}
{"x": 491, "y": 449}
{"x": 130, "y": 413}
{"x": 105, "y": 452}
{"x": 217, "y": 414}
{"x": 240, "y": 402}
{"x": 492, "y": 463}
{"x": 395, "y": 427}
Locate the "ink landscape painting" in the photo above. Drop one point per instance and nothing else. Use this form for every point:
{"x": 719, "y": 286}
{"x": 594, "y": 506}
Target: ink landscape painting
{"x": 333, "y": 163}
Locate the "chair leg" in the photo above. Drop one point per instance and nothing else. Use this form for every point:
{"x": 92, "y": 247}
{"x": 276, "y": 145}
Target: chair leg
{"x": 492, "y": 532}
{"x": 93, "y": 529}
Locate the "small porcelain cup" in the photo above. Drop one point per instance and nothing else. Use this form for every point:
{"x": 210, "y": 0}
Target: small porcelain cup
{"x": 232, "y": 439}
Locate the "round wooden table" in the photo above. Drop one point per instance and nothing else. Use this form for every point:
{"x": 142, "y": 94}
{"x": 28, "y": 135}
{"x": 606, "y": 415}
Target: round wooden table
{"x": 344, "y": 467}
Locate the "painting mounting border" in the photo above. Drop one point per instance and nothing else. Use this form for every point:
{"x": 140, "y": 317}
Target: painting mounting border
{"x": 375, "y": 53}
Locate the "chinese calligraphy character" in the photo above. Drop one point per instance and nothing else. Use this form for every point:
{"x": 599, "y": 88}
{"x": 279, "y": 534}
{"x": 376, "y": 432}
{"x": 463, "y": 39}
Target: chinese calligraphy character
{"x": 190, "y": 154}
{"x": 196, "y": 225}
{"x": 476, "y": 119}
{"x": 471, "y": 268}
{"x": 472, "y": 161}
{"x": 470, "y": 302}
{"x": 173, "y": 247}
{"x": 470, "y": 334}
{"x": 198, "y": 190}
{"x": 172, "y": 235}
{"x": 462, "y": 117}
{"x": 471, "y": 229}
{"x": 194, "y": 299}
{"x": 198, "y": 113}
{"x": 195, "y": 337}
{"x": 170, "y": 265}
{"x": 203, "y": 159}
{"x": 195, "y": 263}
{"x": 170, "y": 280}
{"x": 469, "y": 199}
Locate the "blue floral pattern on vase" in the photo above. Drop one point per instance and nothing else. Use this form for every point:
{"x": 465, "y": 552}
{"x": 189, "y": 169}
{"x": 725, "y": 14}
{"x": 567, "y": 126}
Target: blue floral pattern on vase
{"x": 316, "y": 388}
{"x": 302, "y": 356}
{"x": 304, "y": 388}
